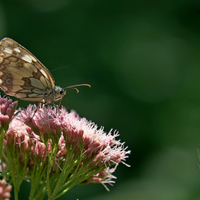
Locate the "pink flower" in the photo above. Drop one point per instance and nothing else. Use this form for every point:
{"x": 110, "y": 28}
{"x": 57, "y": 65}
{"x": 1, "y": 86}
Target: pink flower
{"x": 7, "y": 109}
{"x": 75, "y": 132}
{"x": 5, "y": 190}
{"x": 4, "y": 121}
{"x": 49, "y": 144}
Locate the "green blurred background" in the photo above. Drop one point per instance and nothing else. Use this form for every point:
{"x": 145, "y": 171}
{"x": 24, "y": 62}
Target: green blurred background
{"x": 142, "y": 59}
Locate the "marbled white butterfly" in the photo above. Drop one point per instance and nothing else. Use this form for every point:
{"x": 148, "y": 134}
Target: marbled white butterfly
{"x": 22, "y": 75}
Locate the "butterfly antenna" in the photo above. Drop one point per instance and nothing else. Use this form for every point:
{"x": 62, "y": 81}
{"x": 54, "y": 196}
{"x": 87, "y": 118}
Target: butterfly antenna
{"x": 74, "y": 87}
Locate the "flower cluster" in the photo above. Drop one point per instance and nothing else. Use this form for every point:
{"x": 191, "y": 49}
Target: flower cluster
{"x": 56, "y": 150}
{"x": 7, "y": 108}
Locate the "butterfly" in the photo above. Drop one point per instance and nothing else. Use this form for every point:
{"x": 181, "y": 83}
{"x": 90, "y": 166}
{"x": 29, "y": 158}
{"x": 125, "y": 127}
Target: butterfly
{"x": 23, "y": 76}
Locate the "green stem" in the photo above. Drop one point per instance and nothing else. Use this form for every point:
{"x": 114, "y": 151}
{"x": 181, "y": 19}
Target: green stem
{"x": 37, "y": 174}
{"x": 51, "y": 159}
{"x": 2, "y": 134}
{"x": 16, "y": 194}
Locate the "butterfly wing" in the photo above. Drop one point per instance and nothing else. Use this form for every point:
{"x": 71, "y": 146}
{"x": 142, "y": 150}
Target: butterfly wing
{"x": 21, "y": 74}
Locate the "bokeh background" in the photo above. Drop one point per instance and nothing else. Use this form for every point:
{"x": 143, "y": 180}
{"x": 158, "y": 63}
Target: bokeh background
{"x": 142, "y": 59}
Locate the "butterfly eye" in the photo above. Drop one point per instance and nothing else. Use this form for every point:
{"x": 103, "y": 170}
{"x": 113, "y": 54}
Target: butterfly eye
{"x": 61, "y": 91}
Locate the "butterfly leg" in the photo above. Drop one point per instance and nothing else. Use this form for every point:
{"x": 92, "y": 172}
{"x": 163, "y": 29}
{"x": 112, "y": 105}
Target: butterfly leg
{"x": 60, "y": 103}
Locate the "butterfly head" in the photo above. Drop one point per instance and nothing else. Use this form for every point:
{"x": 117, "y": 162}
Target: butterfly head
{"x": 59, "y": 92}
